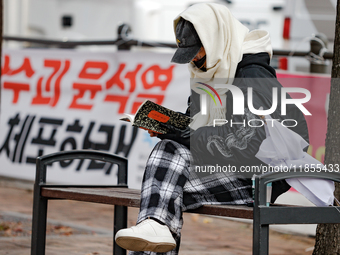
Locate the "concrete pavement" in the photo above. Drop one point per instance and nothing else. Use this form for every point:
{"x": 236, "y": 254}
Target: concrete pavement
{"x": 86, "y": 228}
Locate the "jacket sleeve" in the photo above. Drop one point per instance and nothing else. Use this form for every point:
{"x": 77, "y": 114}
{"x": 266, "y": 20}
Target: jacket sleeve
{"x": 238, "y": 142}
{"x": 235, "y": 143}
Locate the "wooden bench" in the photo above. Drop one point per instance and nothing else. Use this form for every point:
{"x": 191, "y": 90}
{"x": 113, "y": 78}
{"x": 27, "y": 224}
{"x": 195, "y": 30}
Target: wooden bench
{"x": 122, "y": 197}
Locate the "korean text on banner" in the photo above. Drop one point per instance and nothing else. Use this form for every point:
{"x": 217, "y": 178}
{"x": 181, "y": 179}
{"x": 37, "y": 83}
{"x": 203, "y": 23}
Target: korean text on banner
{"x": 55, "y": 100}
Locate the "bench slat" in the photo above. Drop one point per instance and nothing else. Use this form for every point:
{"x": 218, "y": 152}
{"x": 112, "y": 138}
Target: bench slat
{"x": 131, "y": 198}
{"x": 234, "y": 211}
{"x": 112, "y": 196}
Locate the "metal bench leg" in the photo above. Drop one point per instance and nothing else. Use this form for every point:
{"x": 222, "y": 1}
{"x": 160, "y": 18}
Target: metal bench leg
{"x": 260, "y": 239}
{"x": 38, "y": 241}
{"x": 120, "y": 221}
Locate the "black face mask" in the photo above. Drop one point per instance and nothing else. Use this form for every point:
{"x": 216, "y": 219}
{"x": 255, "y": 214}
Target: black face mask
{"x": 200, "y": 63}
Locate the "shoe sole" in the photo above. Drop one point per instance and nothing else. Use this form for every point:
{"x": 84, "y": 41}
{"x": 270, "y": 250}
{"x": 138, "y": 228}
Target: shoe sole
{"x": 138, "y": 244}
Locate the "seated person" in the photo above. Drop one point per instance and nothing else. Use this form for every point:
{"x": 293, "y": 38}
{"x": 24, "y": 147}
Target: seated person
{"x": 216, "y": 46}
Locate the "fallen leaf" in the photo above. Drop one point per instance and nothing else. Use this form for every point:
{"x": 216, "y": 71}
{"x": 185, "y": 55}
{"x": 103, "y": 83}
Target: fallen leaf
{"x": 18, "y": 229}
{"x": 195, "y": 217}
{"x": 207, "y": 220}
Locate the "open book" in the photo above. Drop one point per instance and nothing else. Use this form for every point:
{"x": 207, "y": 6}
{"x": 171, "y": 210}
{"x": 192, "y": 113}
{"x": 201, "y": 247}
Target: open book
{"x": 150, "y": 114}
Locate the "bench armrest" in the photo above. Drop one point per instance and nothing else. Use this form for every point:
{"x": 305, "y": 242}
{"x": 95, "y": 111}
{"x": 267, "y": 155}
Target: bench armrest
{"x": 43, "y": 161}
{"x": 262, "y": 180}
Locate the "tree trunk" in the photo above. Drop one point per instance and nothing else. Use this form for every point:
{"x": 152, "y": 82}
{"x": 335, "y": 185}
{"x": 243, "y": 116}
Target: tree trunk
{"x": 1, "y": 24}
{"x": 328, "y": 235}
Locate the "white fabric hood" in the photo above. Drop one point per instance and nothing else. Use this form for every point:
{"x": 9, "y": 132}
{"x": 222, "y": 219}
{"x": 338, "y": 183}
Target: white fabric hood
{"x": 225, "y": 40}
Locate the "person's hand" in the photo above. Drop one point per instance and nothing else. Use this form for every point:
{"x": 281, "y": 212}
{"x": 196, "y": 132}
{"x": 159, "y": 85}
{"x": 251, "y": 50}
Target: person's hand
{"x": 181, "y": 136}
{"x": 152, "y": 133}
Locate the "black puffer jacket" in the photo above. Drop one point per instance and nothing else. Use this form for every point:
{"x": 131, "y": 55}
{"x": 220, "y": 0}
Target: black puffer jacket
{"x": 238, "y": 145}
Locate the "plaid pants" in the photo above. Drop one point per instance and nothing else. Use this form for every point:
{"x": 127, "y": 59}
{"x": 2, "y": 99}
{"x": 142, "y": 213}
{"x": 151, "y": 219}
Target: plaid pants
{"x": 171, "y": 186}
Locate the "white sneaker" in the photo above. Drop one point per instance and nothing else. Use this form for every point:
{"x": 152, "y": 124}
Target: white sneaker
{"x": 148, "y": 235}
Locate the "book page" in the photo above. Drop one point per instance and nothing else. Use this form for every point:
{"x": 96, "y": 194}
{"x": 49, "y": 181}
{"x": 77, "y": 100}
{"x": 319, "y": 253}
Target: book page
{"x": 128, "y": 117}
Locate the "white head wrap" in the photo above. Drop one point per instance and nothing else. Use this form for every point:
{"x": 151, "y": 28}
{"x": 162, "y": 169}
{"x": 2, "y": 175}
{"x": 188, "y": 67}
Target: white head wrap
{"x": 225, "y": 40}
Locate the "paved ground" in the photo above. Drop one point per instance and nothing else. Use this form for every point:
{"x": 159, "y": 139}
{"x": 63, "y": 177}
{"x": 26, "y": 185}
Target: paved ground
{"x": 86, "y": 228}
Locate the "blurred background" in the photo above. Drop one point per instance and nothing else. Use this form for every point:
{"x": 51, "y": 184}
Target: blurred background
{"x": 71, "y": 68}
{"x": 291, "y": 23}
